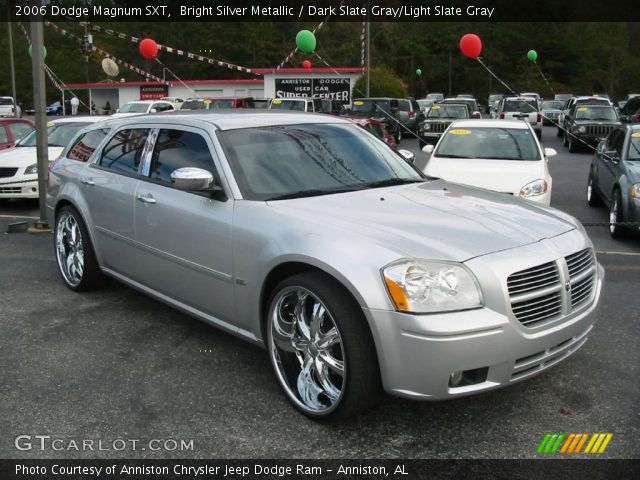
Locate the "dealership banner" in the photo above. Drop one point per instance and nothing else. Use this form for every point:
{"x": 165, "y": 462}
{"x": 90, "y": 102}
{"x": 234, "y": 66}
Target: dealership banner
{"x": 153, "y": 92}
{"x": 336, "y": 88}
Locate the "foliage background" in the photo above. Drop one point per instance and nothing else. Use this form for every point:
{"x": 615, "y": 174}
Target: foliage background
{"x": 575, "y": 57}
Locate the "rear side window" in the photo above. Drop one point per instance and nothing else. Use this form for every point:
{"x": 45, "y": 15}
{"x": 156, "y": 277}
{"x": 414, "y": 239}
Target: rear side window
{"x": 84, "y": 147}
{"x": 405, "y": 105}
{"x": 3, "y": 135}
{"x": 20, "y": 129}
{"x": 124, "y": 151}
{"x": 178, "y": 149}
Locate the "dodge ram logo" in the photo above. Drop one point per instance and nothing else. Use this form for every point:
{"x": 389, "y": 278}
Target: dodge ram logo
{"x": 567, "y": 285}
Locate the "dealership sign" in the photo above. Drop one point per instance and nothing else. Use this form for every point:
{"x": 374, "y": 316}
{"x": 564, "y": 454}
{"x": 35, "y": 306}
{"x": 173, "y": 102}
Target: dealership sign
{"x": 336, "y": 88}
{"x": 153, "y": 92}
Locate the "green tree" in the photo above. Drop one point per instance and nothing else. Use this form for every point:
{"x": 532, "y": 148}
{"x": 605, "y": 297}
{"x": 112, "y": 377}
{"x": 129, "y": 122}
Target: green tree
{"x": 383, "y": 83}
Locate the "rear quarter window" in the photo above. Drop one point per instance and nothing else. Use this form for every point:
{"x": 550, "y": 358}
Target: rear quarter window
{"x": 83, "y": 148}
{"x": 123, "y": 153}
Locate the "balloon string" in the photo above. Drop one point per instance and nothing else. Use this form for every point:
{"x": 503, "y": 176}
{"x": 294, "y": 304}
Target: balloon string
{"x": 545, "y": 79}
{"x": 496, "y": 77}
{"x": 177, "y": 78}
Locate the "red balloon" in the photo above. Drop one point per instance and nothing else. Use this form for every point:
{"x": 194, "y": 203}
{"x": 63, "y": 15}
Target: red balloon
{"x": 306, "y": 64}
{"x": 471, "y": 45}
{"x": 148, "y": 48}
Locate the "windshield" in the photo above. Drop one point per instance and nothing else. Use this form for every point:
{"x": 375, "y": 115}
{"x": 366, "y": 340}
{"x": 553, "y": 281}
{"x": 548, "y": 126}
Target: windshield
{"x": 193, "y": 105}
{"x": 424, "y": 103}
{"x": 552, "y": 105}
{"x": 596, "y": 114}
{"x": 448, "y": 111}
{"x": 489, "y": 143}
{"x": 435, "y": 96}
{"x": 296, "y": 105}
{"x": 6, "y": 101}
{"x": 221, "y": 104}
{"x": 371, "y": 106}
{"x": 521, "y": 106}
{"x": 134, "y": 108}
{"x": 313, "y": 159}
{"x": 493, "y": 98}
{"x": 634, "y": 146}
{"x": 593, "y": 101}
{"x": 58, "y": 134}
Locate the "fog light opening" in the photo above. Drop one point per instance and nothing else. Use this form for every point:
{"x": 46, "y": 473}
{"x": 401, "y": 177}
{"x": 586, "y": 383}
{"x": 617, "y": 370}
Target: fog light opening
{"x": 464, "y": 378}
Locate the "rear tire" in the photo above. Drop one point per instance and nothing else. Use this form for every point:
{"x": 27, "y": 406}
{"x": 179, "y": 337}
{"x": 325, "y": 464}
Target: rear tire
{"x": 321, "y": 348}
{"x": 572, "y": 145}
{"x": 398, "y": 135}
{"x": 75, "y": 256}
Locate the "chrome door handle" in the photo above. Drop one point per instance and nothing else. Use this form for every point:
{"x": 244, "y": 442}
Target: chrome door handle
{"x": 88, "y": 181}
{"x": 146, "y": 198}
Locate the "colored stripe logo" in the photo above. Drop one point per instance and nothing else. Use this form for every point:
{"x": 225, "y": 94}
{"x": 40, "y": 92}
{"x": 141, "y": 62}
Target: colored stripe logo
{"x": 573, "y": 443}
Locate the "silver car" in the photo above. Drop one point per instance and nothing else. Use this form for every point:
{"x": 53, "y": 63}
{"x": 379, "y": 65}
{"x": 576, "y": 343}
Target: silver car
{"x": 309, "y": 236}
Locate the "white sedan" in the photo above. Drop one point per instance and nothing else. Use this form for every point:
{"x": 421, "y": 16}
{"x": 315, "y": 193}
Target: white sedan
{"x": 19, "y": 165}
{"x": 141, "y": 107}
{"x": 500, "y": 155}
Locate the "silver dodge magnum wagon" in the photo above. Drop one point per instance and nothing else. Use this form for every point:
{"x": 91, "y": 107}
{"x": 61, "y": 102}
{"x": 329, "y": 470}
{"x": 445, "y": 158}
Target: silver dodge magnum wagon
{"x": 309, "y": 236}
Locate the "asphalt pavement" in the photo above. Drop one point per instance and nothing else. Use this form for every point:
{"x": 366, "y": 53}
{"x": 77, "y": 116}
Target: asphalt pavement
{"x": 115, "y": 364}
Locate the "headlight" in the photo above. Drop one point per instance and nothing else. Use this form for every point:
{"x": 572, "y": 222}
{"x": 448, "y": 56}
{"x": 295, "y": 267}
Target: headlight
{"x": 582, "y": 129}
{"x": 533, "y": 189}
{"x": 635, "y": 190}
{"x": 31, "y": 169}
{"x": 426, "y": 127}
{"x": 425, "y": 286}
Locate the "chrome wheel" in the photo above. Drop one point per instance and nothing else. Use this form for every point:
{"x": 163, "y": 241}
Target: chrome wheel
{"x": 70, "y": 249}
{"x": 613, "y": 215}
{"x": 590, "y": 190}
{"x": 307, "y": 350}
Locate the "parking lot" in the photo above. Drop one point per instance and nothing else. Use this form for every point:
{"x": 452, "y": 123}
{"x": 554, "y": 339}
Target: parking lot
{"x": 115, "y": 364}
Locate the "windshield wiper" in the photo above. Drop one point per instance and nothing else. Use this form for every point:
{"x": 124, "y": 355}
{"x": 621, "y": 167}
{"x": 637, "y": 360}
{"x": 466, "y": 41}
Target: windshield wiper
{"x": 314, "y": 192}
{"x": 389, "y": 182}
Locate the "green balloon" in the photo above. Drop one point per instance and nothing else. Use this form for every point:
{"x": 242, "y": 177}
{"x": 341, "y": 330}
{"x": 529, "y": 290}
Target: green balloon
{"x": 306, "y": 41}
{"x": 418, "y": 71}
{"x": 44, "y": 53}
{"x": 532, "y": 55}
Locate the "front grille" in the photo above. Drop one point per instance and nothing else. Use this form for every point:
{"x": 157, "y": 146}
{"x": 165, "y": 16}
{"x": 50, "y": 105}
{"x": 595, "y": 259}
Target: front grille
{"x": 599, "y": 130}
{"x": 582, "y": 273}
{"x": 437, "y": 127}
{"x": 10, "y": 190}
{"x": 543, "y": 293}
{"x": 7, "y": 172}
{"x": 535, "y": 294}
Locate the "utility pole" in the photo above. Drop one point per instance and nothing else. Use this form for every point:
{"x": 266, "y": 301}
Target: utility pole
{"x": 450, "y": 60}
{"x": 39, "y": 103}
{"x": 368, "y": 52}
{"x": 11, "y": 65}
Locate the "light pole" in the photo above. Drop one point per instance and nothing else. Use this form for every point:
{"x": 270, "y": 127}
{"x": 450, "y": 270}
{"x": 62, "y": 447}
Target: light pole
{"x": 11, "y": 66}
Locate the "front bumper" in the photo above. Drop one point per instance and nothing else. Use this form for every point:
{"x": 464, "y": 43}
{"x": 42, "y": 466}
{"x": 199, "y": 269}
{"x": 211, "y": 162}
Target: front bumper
{"x": 19, "y": 186}
{"x": 418, "y": 353}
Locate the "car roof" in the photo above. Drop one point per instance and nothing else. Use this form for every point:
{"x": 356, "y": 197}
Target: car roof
{"x": 230, "y": 119}
{"x": 146, "y": 101}
{"x": 519, "y": 97}
{"x": 76, "y": 119}
{"x": 493, "y": 123}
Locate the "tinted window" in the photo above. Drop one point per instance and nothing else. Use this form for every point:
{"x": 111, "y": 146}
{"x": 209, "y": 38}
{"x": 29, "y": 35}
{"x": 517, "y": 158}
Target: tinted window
{"x": 372, "y": 106}
{"x": 296, "y": 105}
{"x": 489, "y": 143}
{"x": 3, "y": 135}
{"x": 612, "y": 138}
{"x": 6, "y": 101}
{"x": 618, "y": 143}
{"x": 84, "y": 147}
{"x": 222, "y": 104}
{"x": 177, "y": 149}
{"x": 193, "y": 105}
{"x": 520, "y": 106}
{"x": 448, "y": 111}
{"x": 405, "y": 105}
{"x": 124, "y": 151}
{"x": 634, "y": 146}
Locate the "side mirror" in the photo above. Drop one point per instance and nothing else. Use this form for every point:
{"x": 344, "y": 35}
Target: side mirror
{"x": 428, "y": 148}
{"x": 117, "y": 110}
{"x": 407, "y": 155}
{"x": 191, "y": 178}
{"x": 153, "y": 110}
{"x": 550, "y": 152}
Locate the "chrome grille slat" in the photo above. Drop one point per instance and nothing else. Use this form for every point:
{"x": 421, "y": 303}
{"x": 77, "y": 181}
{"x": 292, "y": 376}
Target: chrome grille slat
{"x": 533, "y": 270}
{"x": 534, "y": 285}
{"x": 582, "y": 271}
{"x": 525, "y": 280}
{"x": 548, "y": 311}
{"x": 523, "y": 297}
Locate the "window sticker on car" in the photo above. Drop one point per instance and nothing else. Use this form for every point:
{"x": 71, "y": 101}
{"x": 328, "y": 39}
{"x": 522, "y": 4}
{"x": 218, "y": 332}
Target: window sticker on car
{"x": 460, "y": 132}
{"x": 636, "y": 135}
{"x": 50, "y": 124}
{"x": 435, "y": 107}
{"x": 358, "y": 102}
{"x": 583, "y": 109}
{"x": 277, "y": 101}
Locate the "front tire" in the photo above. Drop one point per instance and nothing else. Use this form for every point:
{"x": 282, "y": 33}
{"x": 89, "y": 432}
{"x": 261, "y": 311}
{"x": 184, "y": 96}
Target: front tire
{"x": 615, "y": 216}
{"x": 593, "y": 197}
{"x": 398, "y": 135}
{"x": 321, "y": 348}
{"x": 75, "y": 256}
{"x": 572, "y": 145}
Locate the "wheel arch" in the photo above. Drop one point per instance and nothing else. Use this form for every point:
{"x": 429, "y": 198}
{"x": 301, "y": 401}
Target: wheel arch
{"x": 65, "y": 201}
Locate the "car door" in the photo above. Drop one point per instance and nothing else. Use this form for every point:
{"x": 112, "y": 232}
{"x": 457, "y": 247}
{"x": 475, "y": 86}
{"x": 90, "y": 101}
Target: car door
{"x": 184, "y": 237}
{"x": 611, "y": 157}
{"x": 108, "y": 186}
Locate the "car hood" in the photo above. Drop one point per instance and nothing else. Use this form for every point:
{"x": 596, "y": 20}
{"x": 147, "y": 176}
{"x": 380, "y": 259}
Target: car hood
{"x": 434, "y": 219}
{"x": 25, "y": 156}
{"x": 633, "y": 167}
{"x": 126, "y": 114}
{"x": 597, "y": 122}
{"x": 505, "y": 176}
